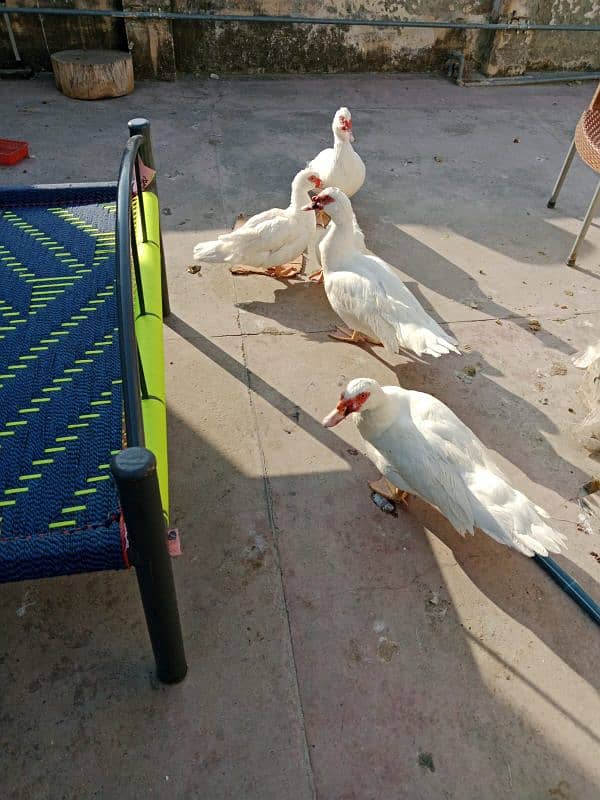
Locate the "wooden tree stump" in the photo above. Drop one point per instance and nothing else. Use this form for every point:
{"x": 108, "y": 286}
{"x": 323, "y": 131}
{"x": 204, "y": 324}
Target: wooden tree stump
{"x": 93, "y": 74}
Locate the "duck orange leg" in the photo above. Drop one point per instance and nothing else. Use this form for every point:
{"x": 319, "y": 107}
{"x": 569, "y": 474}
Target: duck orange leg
{"x": 353, "y": 337}
{"x": 389, "y": 491}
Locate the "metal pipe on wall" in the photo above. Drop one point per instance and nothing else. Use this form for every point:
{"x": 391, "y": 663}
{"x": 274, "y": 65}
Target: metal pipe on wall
{"x": 293, "y": 20}
{"x": 526, "y": 80}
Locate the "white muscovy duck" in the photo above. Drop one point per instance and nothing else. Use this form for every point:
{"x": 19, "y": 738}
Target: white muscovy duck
{"x": 267, "y": 241}
{"x": 340, "y": 165}
{"x": 422, "y": 448}
{"x": 366, "y": 292}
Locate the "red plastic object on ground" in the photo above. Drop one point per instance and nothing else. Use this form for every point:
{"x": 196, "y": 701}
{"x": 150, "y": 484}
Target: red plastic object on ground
{"x": 11, "y": 151}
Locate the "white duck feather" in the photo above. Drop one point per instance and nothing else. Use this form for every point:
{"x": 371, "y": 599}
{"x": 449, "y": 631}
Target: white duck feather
{"x": 421, "y": 447}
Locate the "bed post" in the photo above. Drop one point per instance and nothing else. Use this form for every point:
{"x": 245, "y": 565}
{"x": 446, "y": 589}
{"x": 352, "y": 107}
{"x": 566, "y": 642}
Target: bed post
{"x": 134, "y": 470}
{"x": 141, "y": 126}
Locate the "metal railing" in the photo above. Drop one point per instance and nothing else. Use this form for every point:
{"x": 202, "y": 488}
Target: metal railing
{"x": 131, "y": 365}
{"x": 266, "y": 19}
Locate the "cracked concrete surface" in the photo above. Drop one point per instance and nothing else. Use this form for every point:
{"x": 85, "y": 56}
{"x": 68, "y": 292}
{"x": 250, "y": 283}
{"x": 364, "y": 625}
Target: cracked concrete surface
{"x": 335, "y": 652}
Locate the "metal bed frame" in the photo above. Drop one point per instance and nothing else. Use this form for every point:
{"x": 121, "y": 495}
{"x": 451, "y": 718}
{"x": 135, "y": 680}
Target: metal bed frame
{"x": 135, "y": 468}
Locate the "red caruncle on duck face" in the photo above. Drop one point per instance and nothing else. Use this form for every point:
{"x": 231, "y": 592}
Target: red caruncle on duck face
{"x": 345, "y": 123}
{"x": 345, "y": 407}
{"x": 321, "y": 200}
{"x": 351, "y": 405}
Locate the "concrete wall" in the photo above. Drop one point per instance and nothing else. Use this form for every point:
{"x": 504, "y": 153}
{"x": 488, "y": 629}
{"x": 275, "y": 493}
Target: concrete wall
{"x": 160, "y": 49}
{"x": 513, "y": 54}
{"x": 301, "y": 48}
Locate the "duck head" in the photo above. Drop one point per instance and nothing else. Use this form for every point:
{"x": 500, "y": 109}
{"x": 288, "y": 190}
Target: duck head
{"x": 360, "y": 395}
{"x": 334, "y": 201}
{"x": 307, "y": 180}
{"x": 342, "y": 125}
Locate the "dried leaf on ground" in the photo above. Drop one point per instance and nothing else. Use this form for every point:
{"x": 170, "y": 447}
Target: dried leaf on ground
{"x": 558, "y": 369}
{"x": 283, "y": 272}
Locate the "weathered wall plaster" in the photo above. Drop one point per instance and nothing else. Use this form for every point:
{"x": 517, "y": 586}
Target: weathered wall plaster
{"x": 161, "y": 48}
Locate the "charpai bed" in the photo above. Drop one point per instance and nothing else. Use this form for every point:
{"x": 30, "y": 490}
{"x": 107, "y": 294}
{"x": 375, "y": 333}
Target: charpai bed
{"x": 83, "y": 446}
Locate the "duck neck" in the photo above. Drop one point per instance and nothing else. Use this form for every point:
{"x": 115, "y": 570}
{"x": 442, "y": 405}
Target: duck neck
{"x": 339, "y": 146}
{"x": 299, "y": 197}
{"x": 376, "y": 420}
{"x": 338, "y": 242}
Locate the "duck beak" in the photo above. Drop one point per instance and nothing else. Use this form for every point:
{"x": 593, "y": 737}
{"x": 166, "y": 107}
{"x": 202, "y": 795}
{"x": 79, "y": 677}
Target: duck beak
{"x": 333, "y": 419}
{"x": 314, "y": 206}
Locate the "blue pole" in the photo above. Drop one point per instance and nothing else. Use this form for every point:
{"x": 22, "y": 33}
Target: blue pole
{"x": 570, "y": 586}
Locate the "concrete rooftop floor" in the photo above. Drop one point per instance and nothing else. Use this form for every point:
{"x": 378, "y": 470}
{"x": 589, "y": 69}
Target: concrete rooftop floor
{"x": 335, "y": 653}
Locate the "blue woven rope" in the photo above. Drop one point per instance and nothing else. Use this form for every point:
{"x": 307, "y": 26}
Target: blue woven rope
{"x": 60, "y": 394}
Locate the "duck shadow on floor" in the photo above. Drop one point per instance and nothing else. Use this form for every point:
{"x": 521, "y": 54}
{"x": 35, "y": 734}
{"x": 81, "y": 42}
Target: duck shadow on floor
{"x": 300, "y": 306}
{"x": 524, "y": 235}
{"x": 431, "y": 270}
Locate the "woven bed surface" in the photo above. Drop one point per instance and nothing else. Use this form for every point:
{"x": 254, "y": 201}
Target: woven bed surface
{"x": 60, "y": 383}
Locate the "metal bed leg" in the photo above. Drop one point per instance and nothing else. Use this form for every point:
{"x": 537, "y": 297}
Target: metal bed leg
{"x": 562, "y": 175}
{"x": 134, "y": 470}
{"x": 584, "y": 228}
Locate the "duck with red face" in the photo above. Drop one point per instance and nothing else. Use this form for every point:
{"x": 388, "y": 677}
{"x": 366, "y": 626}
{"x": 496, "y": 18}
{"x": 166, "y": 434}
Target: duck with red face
{"x": 341, "y": 165}
{"x": 420, "y": 447}
{"x": 367, "y": 292}
{"x": 267, "y": 242}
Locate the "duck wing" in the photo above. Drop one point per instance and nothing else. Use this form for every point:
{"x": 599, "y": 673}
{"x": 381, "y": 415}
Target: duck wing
{"x": 371, "y": 291}
{"x": 446, "y": 465}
